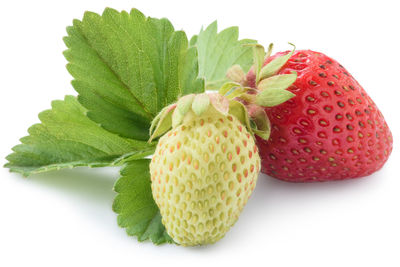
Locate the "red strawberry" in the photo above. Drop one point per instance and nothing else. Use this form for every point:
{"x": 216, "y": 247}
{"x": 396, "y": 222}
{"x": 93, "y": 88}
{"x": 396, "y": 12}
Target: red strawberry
{"x": 331, "y": 129}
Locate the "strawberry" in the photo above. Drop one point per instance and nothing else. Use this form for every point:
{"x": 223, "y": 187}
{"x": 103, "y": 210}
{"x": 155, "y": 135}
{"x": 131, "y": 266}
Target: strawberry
{"x": 205, "y": 168}
{"x": 331, "y": 129}
{"x": 203, "y": 173}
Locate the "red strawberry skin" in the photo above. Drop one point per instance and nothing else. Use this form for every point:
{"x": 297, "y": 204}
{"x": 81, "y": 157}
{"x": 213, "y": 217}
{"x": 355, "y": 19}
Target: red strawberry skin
{"x": 331, "y": 129}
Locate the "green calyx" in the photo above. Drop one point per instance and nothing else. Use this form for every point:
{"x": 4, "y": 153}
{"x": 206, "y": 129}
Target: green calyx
{"x": 275, "y": 65}
{"x": 173, "y": 115}
{"x": 242, "y": 104}
{"x": 271, "y": 88}
{"x": 235, "y": 97}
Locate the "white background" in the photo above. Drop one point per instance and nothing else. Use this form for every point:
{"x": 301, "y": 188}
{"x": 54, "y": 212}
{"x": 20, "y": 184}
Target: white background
{"x": 65, "y": 218}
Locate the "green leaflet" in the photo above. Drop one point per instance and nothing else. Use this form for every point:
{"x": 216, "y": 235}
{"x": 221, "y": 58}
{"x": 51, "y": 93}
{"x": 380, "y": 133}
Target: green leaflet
{"x": 134, "y": 204}
{"x": 281, "y": 82}
{"x": 66, "y": 138}
{"x": 258, "y": 58}
{"x": 273, "y": 90}
{"x": 236, "y": 74}
{"x": 238, "y": 110}
{"x": 273, "y": 97}
{"x": 165, "y": 117}
{"x": 182, "y": 107}
{"x": 273, "y": 67}
{"x": 228, "y": 87}
{"x": 220, "y": 51}
{"x": 185, "y": 103}
{"x": 200, "y": 103}
{"x": 127, "y": 67}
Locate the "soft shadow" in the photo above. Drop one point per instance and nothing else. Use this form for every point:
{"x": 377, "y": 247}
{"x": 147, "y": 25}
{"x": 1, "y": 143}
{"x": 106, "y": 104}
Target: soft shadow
{"x": 269, "y": 185}
{"x": 271, "y": 193}
{"x": 92, "y": 185}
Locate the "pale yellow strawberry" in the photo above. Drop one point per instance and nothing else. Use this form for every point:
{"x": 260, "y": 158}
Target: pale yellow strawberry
{"x": 203, "y": 172}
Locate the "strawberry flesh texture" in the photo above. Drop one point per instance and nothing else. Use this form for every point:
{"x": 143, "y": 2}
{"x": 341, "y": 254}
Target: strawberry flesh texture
{"x": 331, "y": 129}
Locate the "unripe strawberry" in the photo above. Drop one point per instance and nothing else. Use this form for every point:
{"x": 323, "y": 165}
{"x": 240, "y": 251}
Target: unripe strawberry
{"x": 203, "y": 173}
{"x": 205, "y": 168}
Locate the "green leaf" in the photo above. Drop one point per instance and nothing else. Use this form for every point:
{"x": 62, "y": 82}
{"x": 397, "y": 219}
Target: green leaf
{"x": 269, "y": 51}
{"x": 127, "y": 67}
{"x": 219, "y": 51}
{"x": 228, "y": 87}
{"x": 66, "y": 138}
{"x": 185, "y": 103}
{"x": 258, "y": 58}
{"x": 182, "y": 108}
{"x": 162, "y": 122}
{"x": 134, "y": 204}
{"x": 200, "y": 103}
{"x": 219, "y": 102}
{"x": 236, "y": 92}
{"x": 236, "y": 74}
{"x": 260, "y": 121}
{"x": 238, "y": 110}
{"x": 275, "y": 65}
{"x": 177, "y": 118}
{"x": 273, "y": 97}
{"x": 281, "y": 82}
